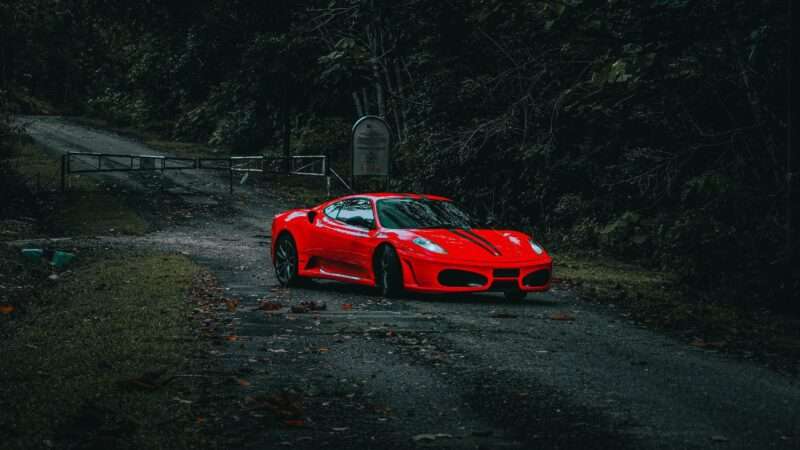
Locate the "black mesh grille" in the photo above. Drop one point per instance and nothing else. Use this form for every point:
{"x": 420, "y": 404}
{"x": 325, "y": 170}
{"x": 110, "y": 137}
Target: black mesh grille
{"x": 461, "y": 278}
{"x": 538, "y": 278}
{"x": 505, "y": 273}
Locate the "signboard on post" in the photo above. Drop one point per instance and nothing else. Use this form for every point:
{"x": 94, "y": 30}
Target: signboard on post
{"x": 371, "y": 140}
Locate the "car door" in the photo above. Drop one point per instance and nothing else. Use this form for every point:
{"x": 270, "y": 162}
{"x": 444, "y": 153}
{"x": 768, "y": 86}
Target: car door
{"x": 327, "y": 240}
{"x": 358, "y": 219}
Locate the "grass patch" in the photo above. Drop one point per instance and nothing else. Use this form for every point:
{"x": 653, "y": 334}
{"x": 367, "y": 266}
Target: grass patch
{"x": 86, "y": 209}
{"x": 86, "y": 364}
{"x": 659, "y": 300}
{"x": 97, "y": 213}
{"x": 41, "y": 168}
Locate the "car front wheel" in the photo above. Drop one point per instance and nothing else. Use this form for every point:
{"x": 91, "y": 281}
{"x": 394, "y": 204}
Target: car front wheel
{"x": 286, "y": 261}
{"x": 388, "y": 273}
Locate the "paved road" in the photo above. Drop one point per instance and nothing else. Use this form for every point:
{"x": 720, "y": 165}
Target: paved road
{"x": 454, "y": 372}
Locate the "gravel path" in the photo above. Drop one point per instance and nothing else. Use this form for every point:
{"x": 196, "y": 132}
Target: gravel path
{"x": 450, "y": 372}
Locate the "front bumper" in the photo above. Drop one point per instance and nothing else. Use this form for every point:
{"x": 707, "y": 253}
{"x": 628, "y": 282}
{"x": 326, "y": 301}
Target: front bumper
{"x": 423, "y": 274}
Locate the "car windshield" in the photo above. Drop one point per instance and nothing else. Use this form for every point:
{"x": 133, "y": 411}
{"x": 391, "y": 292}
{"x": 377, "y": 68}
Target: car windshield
{"x": 404, "y": 213}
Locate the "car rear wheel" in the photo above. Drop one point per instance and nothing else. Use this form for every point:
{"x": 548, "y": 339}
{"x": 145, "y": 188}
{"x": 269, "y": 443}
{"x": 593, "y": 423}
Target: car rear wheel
{"x": 515, "y": 295}
{"x": 286, "y": 261}
{"x": 388, "y": 274}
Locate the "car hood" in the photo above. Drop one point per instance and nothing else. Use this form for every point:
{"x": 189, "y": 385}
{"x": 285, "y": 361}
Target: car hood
{"x": 480, "y": 244}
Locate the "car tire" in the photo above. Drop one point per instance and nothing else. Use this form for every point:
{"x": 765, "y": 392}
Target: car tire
{"x": 515, "y": 295}
{"x": 389, "y": 274}
{"x": 285, "y": 262}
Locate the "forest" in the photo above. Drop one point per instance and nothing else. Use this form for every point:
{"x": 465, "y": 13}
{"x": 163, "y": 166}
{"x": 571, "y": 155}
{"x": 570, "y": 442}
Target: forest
{"x": 650, "y": 131}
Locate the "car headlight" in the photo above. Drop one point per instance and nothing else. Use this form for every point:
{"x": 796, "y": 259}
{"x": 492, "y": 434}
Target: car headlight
{"x": 428, "y": 245}
{"x": 536, "y": 247}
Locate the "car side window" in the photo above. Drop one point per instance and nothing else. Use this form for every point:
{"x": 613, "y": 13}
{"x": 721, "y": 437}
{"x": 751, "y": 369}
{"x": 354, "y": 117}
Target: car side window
{"x": 333, "y": 210}
{"x": 357, "y": 212}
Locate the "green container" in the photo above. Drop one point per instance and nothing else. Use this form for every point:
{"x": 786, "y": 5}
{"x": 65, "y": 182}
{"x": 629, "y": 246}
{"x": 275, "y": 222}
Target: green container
{"x": 33, "y": 253}
{"x": 60, "y": 259}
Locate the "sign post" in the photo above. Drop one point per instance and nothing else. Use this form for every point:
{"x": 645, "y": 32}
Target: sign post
{"x": 371, "y": 143}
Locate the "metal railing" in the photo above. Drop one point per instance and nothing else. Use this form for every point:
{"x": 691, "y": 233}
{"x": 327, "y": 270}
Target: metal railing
{"x": 305, "y": 165}
{"x": 87, "y": 162}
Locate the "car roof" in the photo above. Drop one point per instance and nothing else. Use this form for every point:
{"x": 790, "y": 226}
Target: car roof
{"x": 383, "y": 195}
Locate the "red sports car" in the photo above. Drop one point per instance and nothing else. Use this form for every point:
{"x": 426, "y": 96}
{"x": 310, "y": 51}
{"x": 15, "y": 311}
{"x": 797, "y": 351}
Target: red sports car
{"x": 396, "y": 242}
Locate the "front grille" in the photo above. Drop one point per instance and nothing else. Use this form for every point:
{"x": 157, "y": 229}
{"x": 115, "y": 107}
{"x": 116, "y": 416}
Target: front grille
{"x": 461, "y": 278}
{"x": 538, "y": 278}
{"x": 504, "y": 285}
{"x": 505, "y": 273}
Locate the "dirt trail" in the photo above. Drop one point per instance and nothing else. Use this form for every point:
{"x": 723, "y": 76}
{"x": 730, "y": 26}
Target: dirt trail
{"x": 455, "y": 372}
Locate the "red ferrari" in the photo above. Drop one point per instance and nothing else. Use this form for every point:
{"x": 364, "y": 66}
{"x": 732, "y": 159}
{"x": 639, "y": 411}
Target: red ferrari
{"x": 396, "y": 242}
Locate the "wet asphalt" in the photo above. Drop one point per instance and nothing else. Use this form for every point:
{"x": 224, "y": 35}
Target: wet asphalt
{"x": 476, "y": 371}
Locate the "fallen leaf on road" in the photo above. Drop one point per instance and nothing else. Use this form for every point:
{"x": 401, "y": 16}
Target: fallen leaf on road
{"x": 314, "y": 306}
{"x": 232, "y": 304}
{"x": 295, "y": 422}
{"x": 6, "y": 309}
{"x": 562, "y": 316}
{"x": 323, "y": 349}
{"x": 243, "y": 382}
{"x": 347, "y": 306}
{"x": 299, "y": 309}
{"x": 232, "y": 338}
{"x": 267, "y": 305}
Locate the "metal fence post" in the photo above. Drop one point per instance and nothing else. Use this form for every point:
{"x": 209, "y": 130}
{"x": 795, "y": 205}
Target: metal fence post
{"x": 230, "y": 176}
{"x": 63, "y": 172}
{"x": 163, "y": 164}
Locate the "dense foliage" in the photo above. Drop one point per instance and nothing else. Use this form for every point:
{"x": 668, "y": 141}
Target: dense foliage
{"x": 644, "y": 129}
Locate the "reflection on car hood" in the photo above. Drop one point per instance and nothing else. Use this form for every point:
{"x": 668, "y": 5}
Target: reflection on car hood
{"x": 479, "y": 244}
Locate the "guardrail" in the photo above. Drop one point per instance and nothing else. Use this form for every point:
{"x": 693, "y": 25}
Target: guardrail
{"x": 305, "y": 165}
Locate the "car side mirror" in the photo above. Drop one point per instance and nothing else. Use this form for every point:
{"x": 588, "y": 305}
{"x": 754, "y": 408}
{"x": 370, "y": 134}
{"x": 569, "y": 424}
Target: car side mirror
{"x": 311, "y": 216}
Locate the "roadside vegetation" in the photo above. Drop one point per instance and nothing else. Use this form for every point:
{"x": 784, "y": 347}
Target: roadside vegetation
{"x": 657, "y": 299}
{"x": 88, "y": 208}
{"x": 93, "y": 353}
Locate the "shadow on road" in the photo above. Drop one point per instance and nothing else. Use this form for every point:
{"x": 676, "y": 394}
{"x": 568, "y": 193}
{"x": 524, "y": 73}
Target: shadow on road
{"x": 534, "y": 300}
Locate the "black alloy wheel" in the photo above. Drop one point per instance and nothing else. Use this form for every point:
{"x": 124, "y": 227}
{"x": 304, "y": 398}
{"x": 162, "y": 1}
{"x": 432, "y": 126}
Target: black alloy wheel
{"x": 286, "y": 261}
{"x": 389, "y": 274}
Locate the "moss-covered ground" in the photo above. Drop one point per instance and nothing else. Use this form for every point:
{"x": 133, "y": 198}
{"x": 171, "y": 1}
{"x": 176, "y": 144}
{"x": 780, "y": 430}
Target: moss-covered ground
{"x": 96, "y": 357}
{"x": 658, "y": 300}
